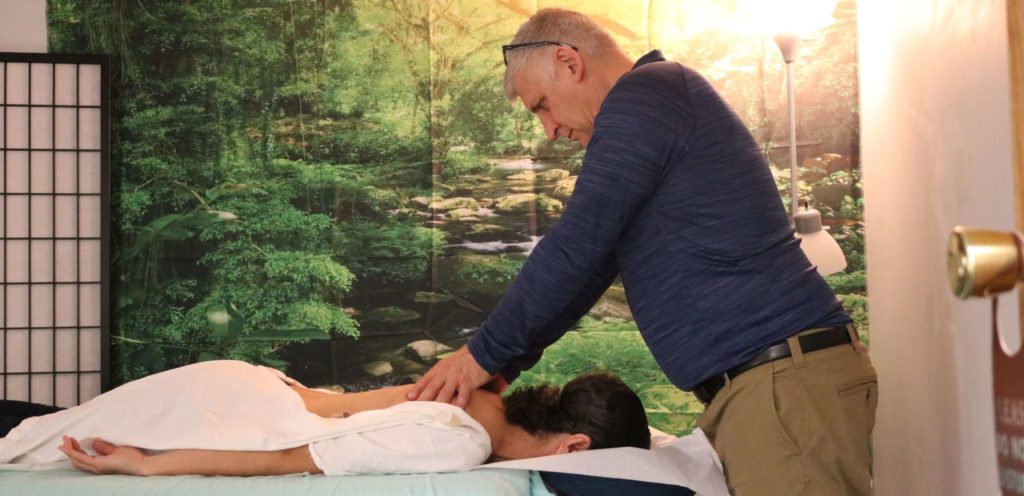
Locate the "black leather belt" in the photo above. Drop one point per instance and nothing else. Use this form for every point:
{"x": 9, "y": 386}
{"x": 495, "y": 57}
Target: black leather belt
{"x": 833, "y": 336}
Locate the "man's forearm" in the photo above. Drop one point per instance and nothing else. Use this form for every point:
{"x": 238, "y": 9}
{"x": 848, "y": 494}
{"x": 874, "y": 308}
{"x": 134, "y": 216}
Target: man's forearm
{"x": 213, "y": 462}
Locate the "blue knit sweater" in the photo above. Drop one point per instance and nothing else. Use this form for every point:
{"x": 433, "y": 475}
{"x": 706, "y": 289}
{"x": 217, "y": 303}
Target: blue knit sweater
{"x": 675, "y": 196}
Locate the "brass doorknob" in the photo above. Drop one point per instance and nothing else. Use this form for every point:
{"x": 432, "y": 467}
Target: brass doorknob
{"x": 983, "y": 262}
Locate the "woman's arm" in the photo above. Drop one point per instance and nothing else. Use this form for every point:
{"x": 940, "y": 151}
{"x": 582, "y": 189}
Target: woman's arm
{"x": 127, "y": 460}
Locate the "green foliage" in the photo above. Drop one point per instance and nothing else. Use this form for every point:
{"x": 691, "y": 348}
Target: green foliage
{"x": 848, "y": 282}
{"x": 619, "y": 349}
{"x": 480, "y": 274}
{"x": 309, "y": 319}
{"x": 857, "y": 306}
{"x": 386, "y": 251}
{"x": 463, "y": 161}
{"x": 318, "y": 274}
{"x": 608, "y": 324}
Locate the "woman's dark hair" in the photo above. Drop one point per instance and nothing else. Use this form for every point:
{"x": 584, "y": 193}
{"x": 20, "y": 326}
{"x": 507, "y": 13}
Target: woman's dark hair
{"x": 599, "y": 405}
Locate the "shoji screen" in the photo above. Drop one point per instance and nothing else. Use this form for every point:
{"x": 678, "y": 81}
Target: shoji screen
{"x": 54, "y": 160}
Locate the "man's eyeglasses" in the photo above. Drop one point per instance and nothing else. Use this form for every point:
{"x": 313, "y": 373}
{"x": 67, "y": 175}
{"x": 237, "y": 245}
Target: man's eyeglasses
{"x": 508, "y": 48}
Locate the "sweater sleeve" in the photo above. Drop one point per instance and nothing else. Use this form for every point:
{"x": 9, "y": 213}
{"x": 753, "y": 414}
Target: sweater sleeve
{"x": 625, "y": 160}
{"x": 578, "y": 307}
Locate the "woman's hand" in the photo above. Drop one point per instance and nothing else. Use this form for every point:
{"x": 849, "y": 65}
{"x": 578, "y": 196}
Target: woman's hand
{"x": 109, "y": 459}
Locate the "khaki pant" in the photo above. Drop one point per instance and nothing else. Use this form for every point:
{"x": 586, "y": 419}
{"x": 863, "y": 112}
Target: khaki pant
{"x": 798, "y": 426}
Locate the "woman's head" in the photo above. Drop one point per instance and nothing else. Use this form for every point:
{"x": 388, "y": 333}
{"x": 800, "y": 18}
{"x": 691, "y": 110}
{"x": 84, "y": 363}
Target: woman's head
{"x": 598, "y": 405}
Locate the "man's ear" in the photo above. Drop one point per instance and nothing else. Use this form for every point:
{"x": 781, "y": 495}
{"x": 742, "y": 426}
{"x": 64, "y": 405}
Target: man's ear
{"x": 571, "y": 60}
{"x": 574, "y": 442}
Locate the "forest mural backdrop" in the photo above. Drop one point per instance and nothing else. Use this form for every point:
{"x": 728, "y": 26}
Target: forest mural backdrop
{"x": 339, "y": 189}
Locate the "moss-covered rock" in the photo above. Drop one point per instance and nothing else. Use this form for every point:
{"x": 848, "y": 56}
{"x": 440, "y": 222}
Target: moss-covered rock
{"x": 391, "y": 315}
{"x": 553, "y": 175}
{"x": 430, "y": 297}
{"x": 487, "y": 229}
{"x": 564, "y": 188}
{"x": 426, "y": 350}
{"x": 548, "y": 175}
{"x": 527, "y": 202}
{"x": 378, "y": 369}
{"x": 462, "y": 214}
{"x": 456, "y": 203}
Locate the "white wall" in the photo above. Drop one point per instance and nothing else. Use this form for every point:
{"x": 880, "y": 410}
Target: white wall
{"x": 23, "y": 26}
{"x": 936, "y": 152}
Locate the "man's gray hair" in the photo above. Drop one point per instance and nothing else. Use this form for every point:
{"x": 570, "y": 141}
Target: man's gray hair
{"x": 554, "y": 24}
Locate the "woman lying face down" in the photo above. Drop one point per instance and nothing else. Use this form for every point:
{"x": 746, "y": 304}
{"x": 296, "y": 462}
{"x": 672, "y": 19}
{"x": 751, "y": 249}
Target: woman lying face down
{"x": 287, "y": 428}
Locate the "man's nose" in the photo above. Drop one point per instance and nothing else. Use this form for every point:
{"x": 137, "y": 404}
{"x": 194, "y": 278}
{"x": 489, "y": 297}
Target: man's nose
{"x": 550, "y": 128}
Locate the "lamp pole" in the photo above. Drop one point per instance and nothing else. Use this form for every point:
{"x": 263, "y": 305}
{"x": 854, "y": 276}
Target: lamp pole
{"x": 789, "y": 44}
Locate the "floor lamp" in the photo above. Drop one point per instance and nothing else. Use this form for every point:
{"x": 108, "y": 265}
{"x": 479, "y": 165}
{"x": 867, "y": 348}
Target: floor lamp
{"x": 821, "y": 249}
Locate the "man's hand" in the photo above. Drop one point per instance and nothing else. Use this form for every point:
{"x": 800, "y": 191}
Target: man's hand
{"x": 109, "y": 459}
{"x": 451, "y": 380}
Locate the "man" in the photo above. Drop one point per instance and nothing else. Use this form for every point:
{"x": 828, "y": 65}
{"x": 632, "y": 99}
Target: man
{"x": 676, "y": 197}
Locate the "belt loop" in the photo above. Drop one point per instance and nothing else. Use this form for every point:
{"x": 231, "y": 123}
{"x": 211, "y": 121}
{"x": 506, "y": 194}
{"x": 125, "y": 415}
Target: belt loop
{"x": 855, "y": 338}
{"x": 796, "y": 351}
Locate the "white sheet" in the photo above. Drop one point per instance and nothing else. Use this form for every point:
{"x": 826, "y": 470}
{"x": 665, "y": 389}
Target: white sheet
{"x": 233, "y": 405}
{"x": 688, "y": 461}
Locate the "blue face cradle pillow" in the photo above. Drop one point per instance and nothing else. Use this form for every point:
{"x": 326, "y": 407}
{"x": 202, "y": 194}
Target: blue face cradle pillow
{"x": 588, "y": 485}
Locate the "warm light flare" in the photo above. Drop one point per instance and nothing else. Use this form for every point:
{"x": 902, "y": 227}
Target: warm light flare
{"x": 797, "y": 17}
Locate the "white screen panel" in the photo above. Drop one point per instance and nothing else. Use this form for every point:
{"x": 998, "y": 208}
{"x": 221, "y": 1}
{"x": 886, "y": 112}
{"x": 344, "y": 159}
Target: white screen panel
{"x": 17, "y": 83}
{"x": 16, "y": 307}
{"x": 89, "y": 90}
{"x": 42, "y": 216}
{"x": 16, "y": 216}
{"x": 42, "y": 84}
{"x": 16, "y": 251}
{"x": 41, "y": 305}
{"x": 16, "y": 359}
{"x": 67, "y": 390}
{"x": 17, "y": 127}
{"x": 89, "y": 178}
{"x": 67, "y": 216}
{"x": 66, "y": 263}
{"x": 17, "y": 388}
{"x": 90, "y": 216}
{"x": 41, "y": 180}
{"x": 89, "y": 385}
{"x": 65, "y": 172}
{"x": 42, "y": 260}
{"x": 89, "y": 260}
{"x": 65, "y": 128}
{"x": 87, "y": 343}
{"x": 66, "y": 84}
{"x": 67, "y": 350}
{"x": 52, "y": 166}
{"x": 42, "y": 388}
{"x": 42, "y": 349}
{"x": 66, "y": 300}
{"x": 89, "y": 129}
{"x": 16, "y": 172}
{"x": 41, "y": 134}
{"x": 89, "y": 304}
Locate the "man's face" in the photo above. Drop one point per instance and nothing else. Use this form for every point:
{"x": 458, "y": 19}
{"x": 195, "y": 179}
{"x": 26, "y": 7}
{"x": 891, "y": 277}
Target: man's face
{"x": 559, "y": 104}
